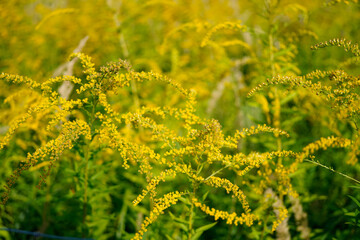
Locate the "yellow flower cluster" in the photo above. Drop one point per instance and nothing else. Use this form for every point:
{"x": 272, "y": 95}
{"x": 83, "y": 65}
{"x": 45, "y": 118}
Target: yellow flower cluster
{"x": 86, "y": 61}
{"x": 52, "y": 150}
{"x": 128, "y": 150}
{"x": 22, "y": 92}
{"x": 284, "y": 187}
{"x": 89, "y": 70}
{"x": 279, "y": 175}
{"x": 151, "y": 76}
{"x": 282, "y": 214}
{"x": 160, "y": 205}
{"x": 197, "y": 25}
{"x": 153, "y": 183}
{"x": 259, "y": 129}
{"x": 198, "y": 149}
{"x": 333, "y": 2}
{"x": 353, "y": 155}
{"x": 198, "y": 143}
{"x": 65, "y": 109}
{"x": 347, "y": 45}
{"x": 255, "y": 159}
{"x": 16, "y": 123}
{"x": 231, "y": 218}
{"x": 19, "y": 80}
{"x": 323, "y": 143}
{"x": 229, "y": 187}
{"x": 341, "y": 92}
{"x": 292, "y": 81}
{"x": 219, "y": 27}
{"x": 46, "y": 86}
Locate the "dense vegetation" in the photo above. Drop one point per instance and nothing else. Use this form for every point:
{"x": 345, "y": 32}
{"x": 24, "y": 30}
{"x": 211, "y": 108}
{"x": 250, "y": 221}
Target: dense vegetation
{"x": 178, "y": 119}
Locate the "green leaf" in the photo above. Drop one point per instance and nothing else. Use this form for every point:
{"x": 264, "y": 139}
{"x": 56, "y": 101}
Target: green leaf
{"x": 185, "y": 200}
{"x": 355, "y": 200}
{"x": 356, "y": 187}
{"x": 96, "y": 175}
{"x": 200, "y": 230}
{"x": 205, "y": 196}
{"x": 196, "y": 236}
{"x": 206, "y": 227}
{"x": 180, "y": 220}
{"x": 168, "y": 237}
{"x": 122, "y": 216}
{"x": 350, "y": 214}
{"x": 200, "y": 168}
{"x": 183, "y": 227}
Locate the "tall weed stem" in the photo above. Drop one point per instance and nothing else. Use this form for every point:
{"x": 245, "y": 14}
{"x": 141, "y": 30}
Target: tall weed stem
{"x": 87, "y": 154}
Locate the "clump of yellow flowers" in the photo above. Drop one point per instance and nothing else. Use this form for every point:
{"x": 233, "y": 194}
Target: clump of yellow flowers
{"x": 199, "y": 152}
{"x": 340, "y": 92}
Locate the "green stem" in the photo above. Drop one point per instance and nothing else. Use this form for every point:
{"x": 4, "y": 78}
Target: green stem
{"x": 190, "y": 220}
{"x": 332, "y": 170}
{"x": 191, "y": 214}
{"x": 87, "y": 149}
{"x": 263, "y": 232}
{"x": 86, "y": 172}
{"x": 271, "y": 54}
{"x": 76, "y": 179}
{"x": 214, "y": 173}
{"x": 276, "y": 94}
